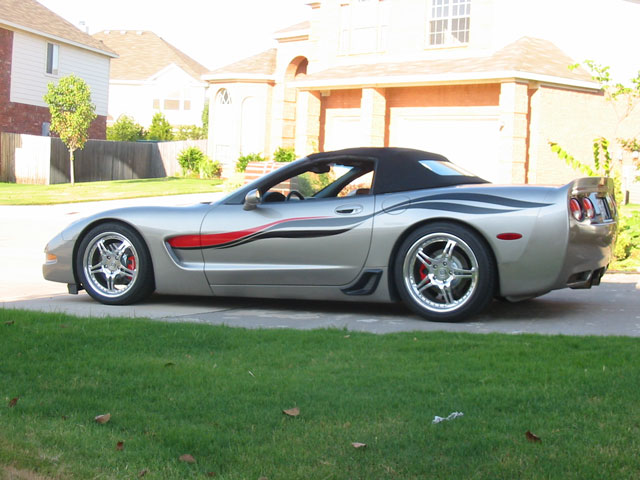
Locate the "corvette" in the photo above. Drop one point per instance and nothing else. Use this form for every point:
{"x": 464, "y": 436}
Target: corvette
{"x": 368, "y": 224}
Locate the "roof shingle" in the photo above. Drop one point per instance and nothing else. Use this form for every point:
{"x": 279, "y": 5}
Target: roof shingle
{"x": 33, "y": 16}
{"x": 143, "y": 54}
{"x": 263, "y": 63}
{"x": 526, "y": 55}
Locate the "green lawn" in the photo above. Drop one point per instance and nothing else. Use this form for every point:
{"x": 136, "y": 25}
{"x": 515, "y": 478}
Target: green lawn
{"x": 217, "y": 394}
{"x": 21, "y": 194}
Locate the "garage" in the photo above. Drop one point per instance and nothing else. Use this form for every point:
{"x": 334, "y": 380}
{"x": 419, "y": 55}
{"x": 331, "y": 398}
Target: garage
{"x": 468, "y": 136}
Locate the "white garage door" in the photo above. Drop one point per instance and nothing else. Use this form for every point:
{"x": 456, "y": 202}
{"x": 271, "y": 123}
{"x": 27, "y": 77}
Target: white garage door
{"x": 468, "y": 137}
{"x": 342, "y": 129}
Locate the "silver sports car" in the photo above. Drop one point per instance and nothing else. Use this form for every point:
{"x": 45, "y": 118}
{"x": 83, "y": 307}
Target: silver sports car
{"x": 369, "y": 224}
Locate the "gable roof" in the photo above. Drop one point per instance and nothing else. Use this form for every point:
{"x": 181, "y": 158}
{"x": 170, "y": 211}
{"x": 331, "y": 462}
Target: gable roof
{"x": 261, "y": 66}
{"x": 143, "y": 54}
{"x": 31, "y": 16}
{"x": 527, "y": 58}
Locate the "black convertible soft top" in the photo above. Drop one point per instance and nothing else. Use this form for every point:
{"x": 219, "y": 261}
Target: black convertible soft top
{"x": 399, "y": 169}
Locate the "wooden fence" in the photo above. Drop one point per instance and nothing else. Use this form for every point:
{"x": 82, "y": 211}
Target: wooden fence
{"x": 45, "y": 160}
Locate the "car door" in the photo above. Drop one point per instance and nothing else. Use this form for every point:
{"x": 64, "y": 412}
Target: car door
{"x": 316, "y": 241}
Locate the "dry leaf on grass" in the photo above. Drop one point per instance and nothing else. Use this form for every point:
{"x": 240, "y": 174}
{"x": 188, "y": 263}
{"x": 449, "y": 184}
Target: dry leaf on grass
{"x": 292, "y": 412}
{"x": 187, "y": 458}
{"x": 532, "y": 438}
{"x": 358, "y": 445}
{"x": 119, "y": 446}
{"x": 13, "y": 402}
{"x": 101, "y": 419}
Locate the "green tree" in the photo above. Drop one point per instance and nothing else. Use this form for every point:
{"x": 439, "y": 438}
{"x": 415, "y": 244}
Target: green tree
{"x": 160, "y": 128}
{"x": 624, "y": 99}
{"x": 125, "y": 129}
{"x": 71, "y": 113}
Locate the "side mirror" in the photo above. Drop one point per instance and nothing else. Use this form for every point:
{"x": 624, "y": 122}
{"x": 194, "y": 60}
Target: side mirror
{"x": 252, "y": 200}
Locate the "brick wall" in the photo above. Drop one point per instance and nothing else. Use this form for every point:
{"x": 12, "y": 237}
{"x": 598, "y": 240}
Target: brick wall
{"x": 444, "y": 96}
{"x": 23, "y": 118}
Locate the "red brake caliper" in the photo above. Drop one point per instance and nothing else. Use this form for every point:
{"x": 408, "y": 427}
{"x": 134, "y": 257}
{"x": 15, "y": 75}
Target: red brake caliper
{"x": 131, "y": 264}
{"x": 423, "y": 273}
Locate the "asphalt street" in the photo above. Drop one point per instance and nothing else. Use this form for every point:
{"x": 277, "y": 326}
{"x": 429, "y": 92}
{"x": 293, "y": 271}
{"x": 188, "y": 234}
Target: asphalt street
{"x": 613, "y": 308}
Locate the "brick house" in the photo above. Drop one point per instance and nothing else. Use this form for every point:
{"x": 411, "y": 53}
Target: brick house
{"x": 38, "y": 47}
{"x": 150, "y": 75}
{"x": 480, "y": 81}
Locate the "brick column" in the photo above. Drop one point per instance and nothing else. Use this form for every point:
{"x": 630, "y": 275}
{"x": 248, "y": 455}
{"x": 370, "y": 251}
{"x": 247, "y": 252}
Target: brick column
{"x": 373, "y": 109}
{"x": 514, "y": 108}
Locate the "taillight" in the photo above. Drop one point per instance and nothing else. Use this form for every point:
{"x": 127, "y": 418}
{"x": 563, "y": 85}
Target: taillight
{"x": 590, "y": 212}
{"x": 576, "y": 209}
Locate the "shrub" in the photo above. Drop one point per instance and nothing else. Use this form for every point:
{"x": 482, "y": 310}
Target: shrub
{"x": 191, "y": 160}
{"x": 189, "y": 132}
{"x": 243, "y": 161}
{"x": 125, "y": 129}
{"x": 160, "y": 128}
{"x": 628, "y": 235}
{"x": 210, "y": 169}
{"x": 284, "y": 155}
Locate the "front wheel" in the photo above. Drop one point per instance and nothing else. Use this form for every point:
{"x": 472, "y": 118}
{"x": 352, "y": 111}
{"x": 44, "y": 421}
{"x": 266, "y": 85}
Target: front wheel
{"x": 445, "y": 272}
{"x": 114, "y": 265}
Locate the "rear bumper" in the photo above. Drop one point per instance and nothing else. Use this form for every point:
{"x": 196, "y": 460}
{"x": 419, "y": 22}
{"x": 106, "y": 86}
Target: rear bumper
{"x": 589, "y": 252}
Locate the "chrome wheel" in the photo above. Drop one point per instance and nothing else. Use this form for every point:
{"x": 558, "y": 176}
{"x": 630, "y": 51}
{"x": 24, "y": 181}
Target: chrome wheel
{"x": 445, "y": 272}
{"x": 114, "y": 266}
{"x": 110, "y": 264}
{"x": 441, "y": 272}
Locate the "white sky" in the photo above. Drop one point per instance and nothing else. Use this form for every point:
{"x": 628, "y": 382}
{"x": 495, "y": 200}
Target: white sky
{"x": 213, "y": 32}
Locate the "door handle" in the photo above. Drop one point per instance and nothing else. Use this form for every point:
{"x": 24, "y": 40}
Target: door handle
{"x": 348, "y": 209}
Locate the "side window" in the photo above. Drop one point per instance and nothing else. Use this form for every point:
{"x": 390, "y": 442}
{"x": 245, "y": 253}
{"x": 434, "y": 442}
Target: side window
{"x": 359, "y": 186}
{"x": 328, "y": 180}
{"x": 53, "y": 52}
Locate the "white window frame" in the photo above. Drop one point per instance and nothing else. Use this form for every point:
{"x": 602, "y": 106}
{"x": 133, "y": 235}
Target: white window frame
{"x": 52, "y": 59}
{"x": 350, "y": 25}
{"x": 443, "y": 15}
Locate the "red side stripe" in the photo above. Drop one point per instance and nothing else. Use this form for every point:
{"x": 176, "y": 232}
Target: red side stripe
{"x": 215, "y": 239}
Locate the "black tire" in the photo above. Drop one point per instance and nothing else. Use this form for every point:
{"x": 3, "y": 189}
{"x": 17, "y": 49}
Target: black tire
{"x": 114, "y": 266}
{"x": 445, "y": 272}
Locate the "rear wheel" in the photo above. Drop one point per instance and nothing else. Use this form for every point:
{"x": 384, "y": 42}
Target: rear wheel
{"x": 445, "y": 272}
{"x": 114, "y": 265}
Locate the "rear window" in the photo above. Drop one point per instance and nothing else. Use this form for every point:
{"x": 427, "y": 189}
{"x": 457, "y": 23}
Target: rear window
{"x": 445, "y": 168}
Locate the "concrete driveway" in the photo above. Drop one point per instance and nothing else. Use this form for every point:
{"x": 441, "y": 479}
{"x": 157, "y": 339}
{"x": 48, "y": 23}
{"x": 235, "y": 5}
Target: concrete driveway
{"x": 613, "y": 308}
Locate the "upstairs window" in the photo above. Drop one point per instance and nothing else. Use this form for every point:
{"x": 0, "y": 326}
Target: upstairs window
{"x": 363, "y": 26}
{"x": 449, "y": 22}
{"x": 52, "y": 58}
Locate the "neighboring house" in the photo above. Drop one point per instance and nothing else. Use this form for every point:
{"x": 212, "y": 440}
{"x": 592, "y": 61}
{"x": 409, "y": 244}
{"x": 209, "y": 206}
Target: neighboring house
{"x": 471, "y": 79}
{"x": 37, "y": 47}
{"x": 152, "y": 76}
